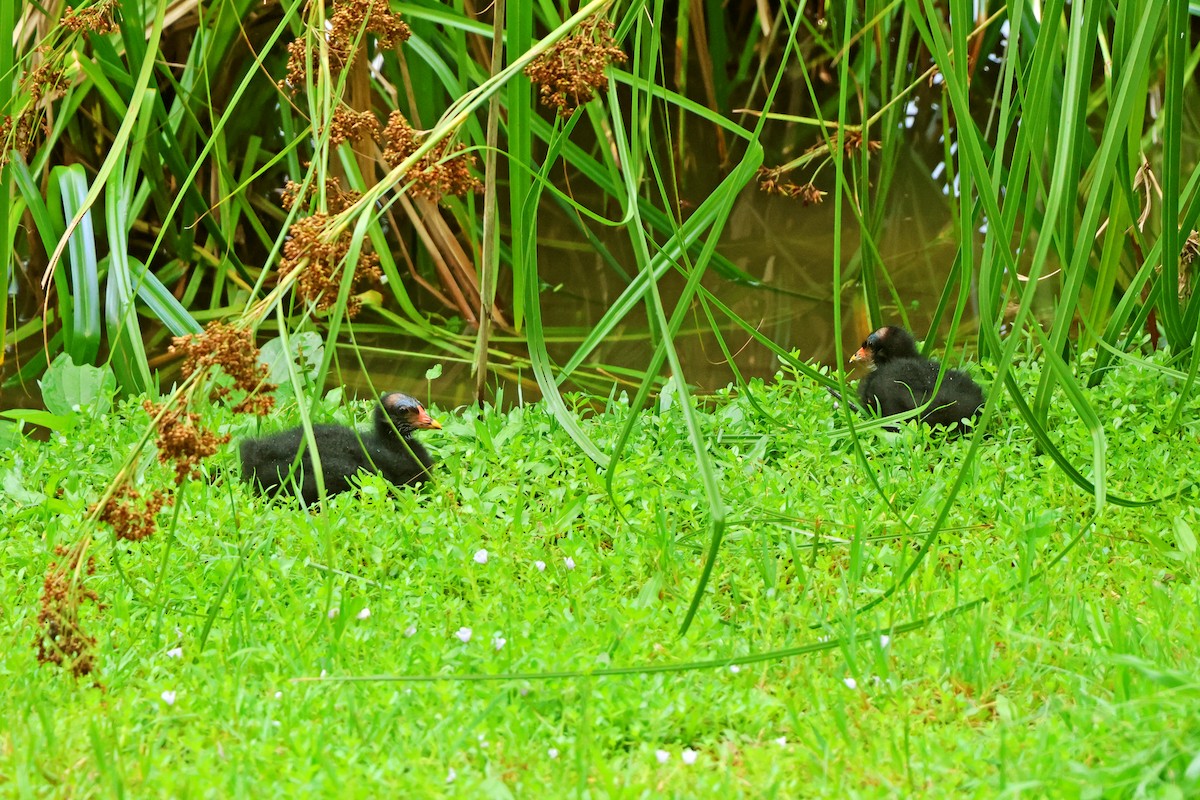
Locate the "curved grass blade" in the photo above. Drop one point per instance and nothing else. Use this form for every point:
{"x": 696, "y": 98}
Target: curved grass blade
{"x": 81, "y": 308}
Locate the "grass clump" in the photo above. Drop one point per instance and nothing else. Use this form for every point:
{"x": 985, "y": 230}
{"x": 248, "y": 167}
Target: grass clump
{"x": 513, "y": 627}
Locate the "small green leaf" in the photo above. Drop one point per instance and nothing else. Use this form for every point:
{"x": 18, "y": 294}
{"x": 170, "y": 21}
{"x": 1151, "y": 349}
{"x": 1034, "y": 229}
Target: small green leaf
{"x": 306, "y": 351}
{"x": 434, "y": 372}
{"x": 68, "y": 388}
{"x": 10, "y": 435}
{"x": 13, "y": 485}
{"x": 1184, "y": 537}
{"x": 35, "y": 416}
{"x": 648, "y": 596}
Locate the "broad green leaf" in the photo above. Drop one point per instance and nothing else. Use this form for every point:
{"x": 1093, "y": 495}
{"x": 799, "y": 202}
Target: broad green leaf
{"x": 305, "y": 351}
{"x": 68, "y": 388}
{"x": 36, "y": 416}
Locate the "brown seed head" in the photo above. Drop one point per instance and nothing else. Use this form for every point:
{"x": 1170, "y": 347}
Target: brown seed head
{"x": 349, "y": 20}
{"x": 439, "y": 172}
{"x": 61, "y": 638}
{"x": 128, "y": 521}
{"x": 570, "y": 73}
{"x": 348, "y": 125}
{"x": 182, "y": 442}
{"x": 320, "y": 278}
{"x": 99, "y": 18}
{"x": 234, "y": 351}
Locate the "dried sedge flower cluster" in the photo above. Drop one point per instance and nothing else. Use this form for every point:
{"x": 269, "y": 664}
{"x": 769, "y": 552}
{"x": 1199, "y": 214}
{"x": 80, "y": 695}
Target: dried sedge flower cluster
{"x": 1191, "y": 249}
{"x": 180, "y": 441}
{"x": 233, "y": 350}
{"x": 848, "y": 141}
{"x": 129, "y": 521}
{"x": 350, "y": 17}
{"x": 319, "y": 279}
{"x": 570, "y": 73}
{"x": 770, "y": 183}
{"x": 337, "y": 199}
{"x": 98, "y": 18}
{"x": 439, "y": 172}
{"x": 61, "y": 638}
{"x": 349, "y": 126}
{"x": 46, "y": 82}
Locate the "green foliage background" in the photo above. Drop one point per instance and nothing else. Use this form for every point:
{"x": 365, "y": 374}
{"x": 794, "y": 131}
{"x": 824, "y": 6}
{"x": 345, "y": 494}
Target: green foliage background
{"x": 148, "y": 207}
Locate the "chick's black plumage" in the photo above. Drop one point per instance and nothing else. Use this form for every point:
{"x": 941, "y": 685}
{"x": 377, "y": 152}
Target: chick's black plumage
{"x": 901, "y": 380}
{"x": 388, "y": 449}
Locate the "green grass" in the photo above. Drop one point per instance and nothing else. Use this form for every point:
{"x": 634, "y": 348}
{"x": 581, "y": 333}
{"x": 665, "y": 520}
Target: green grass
{"x": 1075, "y": 675}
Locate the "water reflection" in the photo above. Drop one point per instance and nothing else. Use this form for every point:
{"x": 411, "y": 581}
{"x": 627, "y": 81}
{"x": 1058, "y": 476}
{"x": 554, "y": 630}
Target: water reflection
{"x": 788, "y": 247}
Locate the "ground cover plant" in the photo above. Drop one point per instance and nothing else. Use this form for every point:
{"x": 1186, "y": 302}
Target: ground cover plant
{"x": 630, "y": 587}
{"x": 514, "y": 627}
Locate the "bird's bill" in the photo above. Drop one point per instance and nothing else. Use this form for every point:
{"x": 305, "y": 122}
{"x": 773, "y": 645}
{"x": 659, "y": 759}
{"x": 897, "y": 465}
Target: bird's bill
{"x": 423, "y": 420}
{"x": 863, "y": 354}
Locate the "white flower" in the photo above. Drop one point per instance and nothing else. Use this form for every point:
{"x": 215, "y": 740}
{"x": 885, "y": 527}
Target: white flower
{"x": 735, "y": 669}
{"x": 781, "y": 741}
{"x": 278, "y": 695}
{"x": 850, "y": 683}
{"x": 333, "y": 612}
{"x": 498, "y": 642}
{"x": 324, "y": 674}
{"x": 552, "y": 752}
{"x": 689, "y": 755}
{"x": 175, "y": 652}
{"x": 364, "y": 614}
{"x": 541, "y": 566}
{"x": 168, "y": 697}
{"x": 463, "y": 634}
{"x": 885, "y": 640}
{"x": 410, "y": 631}
{"x": 570, "y": 562}
{"x": 451, "y": 775}
{"x": 662, "y": 755}
{"x": 481, "y": 556}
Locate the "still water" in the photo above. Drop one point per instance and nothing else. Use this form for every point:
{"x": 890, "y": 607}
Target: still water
{"x": 786, "y": 246}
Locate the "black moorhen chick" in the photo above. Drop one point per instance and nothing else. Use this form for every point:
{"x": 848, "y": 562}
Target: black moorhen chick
{"x": 389, "y": 450}
{"x": 901, "y": 380}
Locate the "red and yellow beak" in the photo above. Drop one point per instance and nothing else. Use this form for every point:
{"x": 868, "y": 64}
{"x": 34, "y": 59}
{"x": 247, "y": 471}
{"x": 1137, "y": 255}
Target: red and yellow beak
{"x": 863, "y": 354}
{"x": 423, "y": 420}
